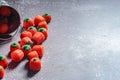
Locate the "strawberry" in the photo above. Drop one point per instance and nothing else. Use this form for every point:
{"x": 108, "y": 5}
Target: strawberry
{"x": 14, "y": 46}
{"x": 32, "y": 29}
{"x": 47, "y": 17}
{"x": 43, "y": 24}
{"x": 44, "y": 31}
{"x": 38, "y": 19}
{"x": 27, "y": 23}
{"x": 26, "y": 34}
{"x": 35, "y": 64}
{"x": 32, "y": 54}
{"x": 3, "y": 28}
{"x": 5, "y": 11}
{"x": 38, "y": 37}
{"x": 26, "y": 49}
{"x": 17, "y": 55}
{"x": 3, "y": 61}
{"x": 26, "y": 40}
{"x": 39, "y": 49}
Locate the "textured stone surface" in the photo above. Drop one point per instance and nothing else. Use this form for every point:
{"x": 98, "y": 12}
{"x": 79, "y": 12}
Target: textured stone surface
{"x": 83, "y": 42}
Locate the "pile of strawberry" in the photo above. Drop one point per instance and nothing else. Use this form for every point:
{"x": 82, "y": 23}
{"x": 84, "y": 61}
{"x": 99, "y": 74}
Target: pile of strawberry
{"x": 30, "y": 46}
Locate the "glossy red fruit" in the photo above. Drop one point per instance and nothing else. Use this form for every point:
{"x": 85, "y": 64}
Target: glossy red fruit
{"x": 5, "y": 11}
{"x": 44, "y": 31}
{"x": 38, "y": 38}
{"x": 17, "y": 55}
{"x": 32, "y": 29}
{"x": 26, "y": 34}
{"x": 3, "y": 28}
{"x": 35, "y": 64}
{"x": 26, "y": 40}
{"x": 47, "y": 17}
{"x": 43, "y": 24}
{"x": 33, "y": 54}
{"x": 38, "y": 19}
{"x": 27, "y": 23}
{"x": 39, "y": 49}
{"x": 26, "y": 49}
{"x": 3, "y": 61}
{"x": 14, "y": 46}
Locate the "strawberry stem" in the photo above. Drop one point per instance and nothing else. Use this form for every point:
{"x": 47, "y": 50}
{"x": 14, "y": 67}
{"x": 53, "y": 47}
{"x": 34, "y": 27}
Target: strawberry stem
{"x": 14, "y": 44}
{"x": 35, "y": 59}
{"x": 2, "y": 57}
{"x": 26, "y": 19}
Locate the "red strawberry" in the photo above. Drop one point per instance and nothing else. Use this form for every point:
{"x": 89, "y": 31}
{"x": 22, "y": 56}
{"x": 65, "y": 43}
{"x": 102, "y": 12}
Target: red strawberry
{"x": 44, "y": 31}
{"x": 14, "y": 46}
{"x": 26, "y": 34}
{"x": 28, "y": 22}
{"x": 26, "y": 40}
{"x": 35, "y": 64}
{"x": 32, "y": 29}
{"x": 38, "y": 19}
{"x": 32, "y": 54}
{"x": 5, "y": 11}
{"x": 3, "y": 61}
{"x": 43, "y": 24}
{"x": 17, "y": 55}
{"x": 47, "y": 17}
{"x": 39, "y": 49}
{"x": 38, "y": 37}
{"x": 26, "y": 49}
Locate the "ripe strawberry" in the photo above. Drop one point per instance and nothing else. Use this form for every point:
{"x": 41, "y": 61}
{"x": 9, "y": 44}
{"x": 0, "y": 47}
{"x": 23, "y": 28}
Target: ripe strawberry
{"x": 44, "y": 31}
{"x": 43, "y": 24}
{"x": 3, "y": 61}
{"x": 38, "y": 19}
{"x": 14, "y": 46}
{"x": 17, "y": 55}
{"x": 38, "y": 37}
{"x": 39, "y": 49}
{"x": 47, "y": 17}
{"x": 35, "y": 64}
{"x": 3, "y": 28}
{"x": 28, "y": 22}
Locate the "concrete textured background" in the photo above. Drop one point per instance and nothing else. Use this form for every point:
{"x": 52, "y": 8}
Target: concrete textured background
{"x": 83, "y": 42}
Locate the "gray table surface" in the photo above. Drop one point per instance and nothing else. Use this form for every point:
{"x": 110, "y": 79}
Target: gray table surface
{"x": 83, "y": 42}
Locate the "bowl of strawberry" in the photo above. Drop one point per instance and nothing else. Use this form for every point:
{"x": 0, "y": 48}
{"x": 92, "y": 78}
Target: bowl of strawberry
{"x": 9, "y": 22}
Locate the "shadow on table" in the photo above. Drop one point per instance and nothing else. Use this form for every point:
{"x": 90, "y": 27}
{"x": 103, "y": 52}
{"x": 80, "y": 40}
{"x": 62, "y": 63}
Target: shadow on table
{"x": 12, "y": 65}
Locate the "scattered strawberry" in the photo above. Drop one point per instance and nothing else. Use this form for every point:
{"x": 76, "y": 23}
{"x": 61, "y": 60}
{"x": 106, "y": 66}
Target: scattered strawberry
{"x": 32, "y": 54}
{"x": 26, "y": 49}
{"x": 17, "y": 55}
{"x": 44, "y": 31}
{"x": 43, "y": 24}
{"x": 26, "y": 34}
{"x": 39, "y": 49}
{"x": 3, "y": 61}
{"x": 38, "y": 37}
{"x": 38, "y": 19}
{"x": 28, "y": 22}
{"x": 26, "y": 40}
{"x": 35, "y": 64}
{"x": 32, "y": 29}
{"x": 47, "y": 17}
{"x": 14, "y": 46}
